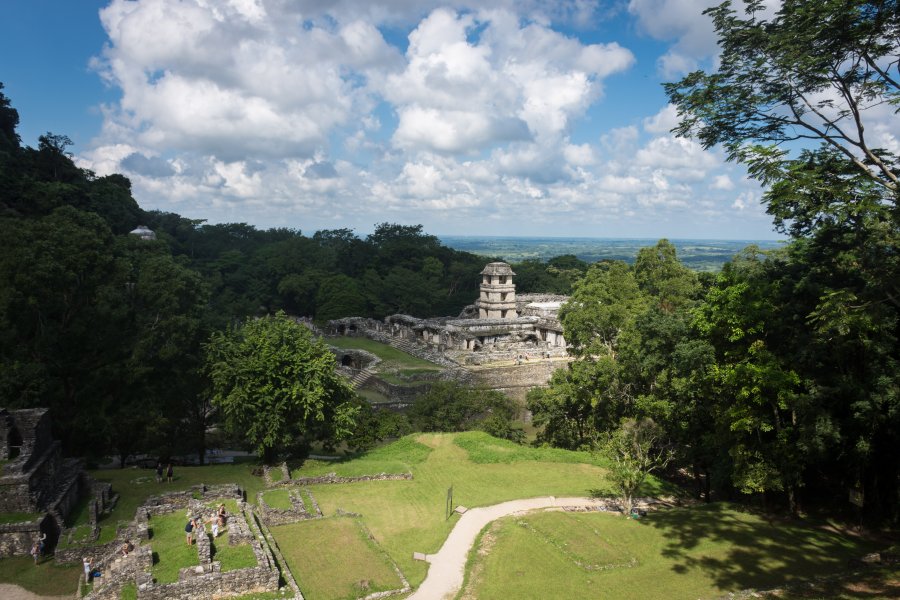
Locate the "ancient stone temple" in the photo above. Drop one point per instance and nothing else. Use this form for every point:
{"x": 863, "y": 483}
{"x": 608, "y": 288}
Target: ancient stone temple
{"x": 498, "y": 293}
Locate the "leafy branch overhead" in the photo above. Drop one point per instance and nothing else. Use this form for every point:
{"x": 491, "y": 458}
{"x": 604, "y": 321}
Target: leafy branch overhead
{"x": 820, "y": 71}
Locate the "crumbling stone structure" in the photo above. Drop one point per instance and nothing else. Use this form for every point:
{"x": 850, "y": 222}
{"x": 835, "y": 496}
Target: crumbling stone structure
{"x": 34, "y": 479}
{"x": 499, "y": 326}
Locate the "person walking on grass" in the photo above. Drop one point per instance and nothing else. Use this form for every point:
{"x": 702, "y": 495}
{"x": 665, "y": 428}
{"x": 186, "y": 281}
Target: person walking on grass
{"x": 170, "y": 472}
{"x": 36, "y": 552}
{"x": 159, "y": 472}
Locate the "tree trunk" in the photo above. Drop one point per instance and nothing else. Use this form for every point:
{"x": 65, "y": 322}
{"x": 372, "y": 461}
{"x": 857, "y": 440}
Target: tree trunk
{"x": 706, "y": 486}
{"x": 792, "y": 500}
{"x": 201, "y": 446}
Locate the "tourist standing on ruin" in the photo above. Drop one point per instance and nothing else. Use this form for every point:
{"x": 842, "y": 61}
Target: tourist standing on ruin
{"x": 87, "y": 569}
{"x": 189, "y": 530}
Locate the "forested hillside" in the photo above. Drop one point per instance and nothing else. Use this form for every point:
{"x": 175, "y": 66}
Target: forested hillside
{"x": 108, "y": 329}
{"x": 775, "y": 379}
{"x": 780, "y": 377}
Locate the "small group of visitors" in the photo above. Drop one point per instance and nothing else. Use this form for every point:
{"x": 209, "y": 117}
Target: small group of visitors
{"x": 217, "y": 520}
{"x": 170, "y": 472}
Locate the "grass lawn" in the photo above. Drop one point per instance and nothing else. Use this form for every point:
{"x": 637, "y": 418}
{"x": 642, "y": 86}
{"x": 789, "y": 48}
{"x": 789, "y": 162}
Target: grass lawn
{"x": 276, "y": 474}
{"x": 18, "y": 517}
{"x": 409, "y": 516}
{"x": 332, "y": 558}
{"x": 232, "y": 557}
{"x": 278, "y": 499}
{"x": 701, "y": 552}
{"x": 391, "y": 358}
{"x": 170, "y": 550}
{"x": 134, "y": 485}
{"x": 45, "y": 579}
{"x": 80, "y": 535}
{"x": 398, "y": 457}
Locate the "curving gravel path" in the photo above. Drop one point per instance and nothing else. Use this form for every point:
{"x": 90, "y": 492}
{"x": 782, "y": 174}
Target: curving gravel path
{"x": 445, "y": 575}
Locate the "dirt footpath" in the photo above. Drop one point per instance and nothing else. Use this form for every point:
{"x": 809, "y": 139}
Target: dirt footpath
{"x": 445, "y": 575}
{"x": 9, "y": 591}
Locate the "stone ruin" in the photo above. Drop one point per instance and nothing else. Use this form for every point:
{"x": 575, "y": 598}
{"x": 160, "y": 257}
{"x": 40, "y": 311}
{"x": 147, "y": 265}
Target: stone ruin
{"x": 206, "y": 581}
{"x": 499, "y": 326}
{"x": 35, "y": 481}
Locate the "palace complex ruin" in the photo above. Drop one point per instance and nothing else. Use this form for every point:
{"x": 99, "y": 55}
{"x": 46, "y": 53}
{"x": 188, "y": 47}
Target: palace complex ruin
{"x": 499, "y": 326}
{"x": 503, "y": 341}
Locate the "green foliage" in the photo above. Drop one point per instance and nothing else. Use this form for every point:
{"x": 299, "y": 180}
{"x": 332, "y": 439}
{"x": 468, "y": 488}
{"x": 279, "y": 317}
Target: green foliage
{"x": 555, "y": 276}
{"x": 634, "y": 450}
{"x": 276, "y": 384}
{"x": 450, "y": 406}
{"x": 813, "y": 72}
{"x": 375, "y": 425}
{"x": 601, "y": 305}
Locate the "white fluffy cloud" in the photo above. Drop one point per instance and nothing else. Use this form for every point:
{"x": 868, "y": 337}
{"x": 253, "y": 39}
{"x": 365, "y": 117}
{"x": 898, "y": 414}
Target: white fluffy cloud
{"x": 309, "y": 114}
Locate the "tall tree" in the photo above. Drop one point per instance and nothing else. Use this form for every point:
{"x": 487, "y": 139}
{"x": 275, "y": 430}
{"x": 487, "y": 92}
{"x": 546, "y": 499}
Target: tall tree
{"x": 276, "y": 385}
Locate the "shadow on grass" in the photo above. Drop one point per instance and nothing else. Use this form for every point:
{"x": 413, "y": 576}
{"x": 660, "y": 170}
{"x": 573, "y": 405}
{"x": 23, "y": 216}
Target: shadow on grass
{"x": 740, "y": 550}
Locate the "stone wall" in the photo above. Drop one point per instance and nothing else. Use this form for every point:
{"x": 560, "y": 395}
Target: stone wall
{"x": 334, "y": 478}
{"x": 171, "y": 501}
{"x": 213, "y": 585}
{"x": 516, "y": 380}
{"x": 16, "y": 538}
{"x": 203, "y": 582}
{"x": 279, "y": 516}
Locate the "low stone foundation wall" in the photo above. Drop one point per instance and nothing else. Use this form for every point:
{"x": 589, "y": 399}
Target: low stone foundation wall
{"x": 171, "y": 501}
{"x": 205, "y": 581}
{"x": 279, "y": 516}
{"x": 334, "y": 478}
{"x": 213, "y": 585}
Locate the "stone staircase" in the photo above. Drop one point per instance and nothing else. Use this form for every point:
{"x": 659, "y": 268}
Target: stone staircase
{"x": 362, "y": 378}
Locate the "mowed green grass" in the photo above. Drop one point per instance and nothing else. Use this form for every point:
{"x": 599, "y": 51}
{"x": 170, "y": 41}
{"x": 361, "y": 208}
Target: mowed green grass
{"x": 134, "y": 486}
{"x": 395, "y": 458}
{"x": 391, "y": 358}
{"x": 45, "y": 579}
{"x": 278, "y": 499}
{"x": 170, "y": 549}
{"x": 332, "y": 558}
{"x": 409, "y": 516}
{"x": 232, "y": 558}
{"x": 702, "y": 552}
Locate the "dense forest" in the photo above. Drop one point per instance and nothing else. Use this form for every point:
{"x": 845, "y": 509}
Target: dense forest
{"x": 776, "y": 378}
{"x": 109, "y": 329}
{"x": 779, "y": 377}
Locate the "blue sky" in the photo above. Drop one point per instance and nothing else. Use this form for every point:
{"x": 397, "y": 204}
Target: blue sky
{"x": 479, "y": 118}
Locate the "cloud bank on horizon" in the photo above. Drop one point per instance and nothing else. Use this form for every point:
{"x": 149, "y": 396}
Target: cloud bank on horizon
{"x": 503, "y": 117}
